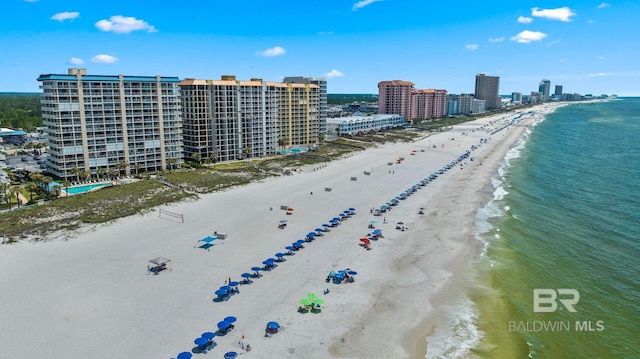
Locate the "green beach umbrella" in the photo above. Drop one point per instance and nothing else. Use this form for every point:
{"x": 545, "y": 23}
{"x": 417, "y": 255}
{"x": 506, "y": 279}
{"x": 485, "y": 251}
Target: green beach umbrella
{"x": 305, "y": 301}
{"x": 318, "y": 301}
{"x": 312, "y": 296}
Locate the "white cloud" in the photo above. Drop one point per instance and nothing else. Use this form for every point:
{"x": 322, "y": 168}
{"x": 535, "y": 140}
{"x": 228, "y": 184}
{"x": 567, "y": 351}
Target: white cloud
{"x": 524, "y": 20}
{"x": 363, "y": 3}
{"x": 31, "y": 0}
{"x": 526, "y": 36}
{"x": 497, "y": 39}
{"x": 471, "y": 47}
{"x": 274, "y": 51}
{"x": 600, "y": 57}
{"x": 104, "y": 59}
{"x": 334, "y": 73}
{"x": 561, "y": 13}
{"x": 124, "y": 25}
{"x": 325, "y": 33}
{"x": 603, "y": 5}
{"x": 67, "y": 15}
{"x": 76, "y": 61}
{"x": 601, "y": 74}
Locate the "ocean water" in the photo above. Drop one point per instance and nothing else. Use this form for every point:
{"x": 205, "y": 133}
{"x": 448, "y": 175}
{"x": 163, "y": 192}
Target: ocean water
{"x": 565, "y": 219}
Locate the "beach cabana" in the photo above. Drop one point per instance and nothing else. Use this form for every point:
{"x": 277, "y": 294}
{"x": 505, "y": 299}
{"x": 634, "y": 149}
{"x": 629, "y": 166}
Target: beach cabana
{"x": 206, "y": 242}
{"x": 158, "y": 264}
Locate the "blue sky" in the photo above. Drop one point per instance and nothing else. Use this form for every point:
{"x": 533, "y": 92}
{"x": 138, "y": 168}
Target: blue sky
{"x": 586, "y": 46}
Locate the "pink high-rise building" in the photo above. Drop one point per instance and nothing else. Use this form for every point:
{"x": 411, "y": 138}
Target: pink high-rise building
{"x": 428, "y": 103}
{"x": 394, "y": 97}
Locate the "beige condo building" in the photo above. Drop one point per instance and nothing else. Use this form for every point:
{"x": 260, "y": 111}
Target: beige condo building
{"x": 228, "y": 119}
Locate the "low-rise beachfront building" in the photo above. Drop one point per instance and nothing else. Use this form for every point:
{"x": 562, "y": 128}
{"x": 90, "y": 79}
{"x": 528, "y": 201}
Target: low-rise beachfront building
{"x": 360, "y": 124}
{"x": 97, "y": 124}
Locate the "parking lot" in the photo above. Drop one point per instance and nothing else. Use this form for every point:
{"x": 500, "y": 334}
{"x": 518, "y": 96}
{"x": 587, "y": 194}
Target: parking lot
{"x": 28, "y": 163}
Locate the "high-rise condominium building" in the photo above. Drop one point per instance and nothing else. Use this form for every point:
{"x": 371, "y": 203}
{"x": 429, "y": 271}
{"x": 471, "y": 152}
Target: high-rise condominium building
{"x": 544, "y": 89}
{"x": 323, "y": 107}
{"x": 298, "y": 113}
{"x": 394, "y": 97}
{"x": 428, "y": 103}
{"x": 226, "y": 119}
{"x": 488, "y": 89}
{"x": 229, "y": 119}
{"x": 558, "y": 90}
{"x": 96, "y": 124}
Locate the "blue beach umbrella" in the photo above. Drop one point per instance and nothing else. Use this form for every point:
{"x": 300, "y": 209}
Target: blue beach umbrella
{"x": 230, "y": 355}
{"x": 273, "y": 325}
{"x": 208, "y": 335}
{"x": 201, "y": 341}
{"x": 233, "y": 284}
{"x": 223, "y": 324}
{"x": 221, "y": 292}
{"x": 283, "y": 221}
{"x": 352, "y": 209}
{"x": 230, "y": 319}
{"x": 184, "y": 355}
{"x": 289, "y": 248}
{"x": 256, "y": 269}
{"x": 268, "y": 261}
{"x": 300, "y": 241}
{"x": 319, "y": 229}
{"x": 326, "y": 225}
{"x": 311, "y": 234}
{"x": 280, "y": 255}
{"x": 352, "y": 272}
{"x": 245, "y": 275}
{"x": 225, "y": 288}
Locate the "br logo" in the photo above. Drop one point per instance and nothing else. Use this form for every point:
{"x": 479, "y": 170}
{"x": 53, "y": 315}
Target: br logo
{"x": 546, "y": 300}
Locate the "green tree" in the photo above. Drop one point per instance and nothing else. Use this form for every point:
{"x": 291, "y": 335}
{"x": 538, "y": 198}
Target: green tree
{"x": 32, "y": 188}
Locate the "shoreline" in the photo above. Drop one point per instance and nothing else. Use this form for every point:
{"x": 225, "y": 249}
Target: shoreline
{"x": 95, "y": 277}
{"x": 482, "y": 197}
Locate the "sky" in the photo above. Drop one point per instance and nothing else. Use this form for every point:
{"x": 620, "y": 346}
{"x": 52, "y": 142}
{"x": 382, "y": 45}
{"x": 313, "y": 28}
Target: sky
{"x": 588, "y": 47}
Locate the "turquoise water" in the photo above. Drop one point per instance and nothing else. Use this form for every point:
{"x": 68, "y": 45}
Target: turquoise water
{"x": 565, "y": 214}
{"x": 86, "y": 188}
{"x": 293, "y": 150}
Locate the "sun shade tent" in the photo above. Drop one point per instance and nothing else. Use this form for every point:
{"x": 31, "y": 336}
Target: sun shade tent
{"x": 159, "y": 263}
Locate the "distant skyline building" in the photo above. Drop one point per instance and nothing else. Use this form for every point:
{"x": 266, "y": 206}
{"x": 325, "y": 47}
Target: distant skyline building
{"x": 394, "y": 97}
{"x": 96, "y": 124}
{"x": 545, "y": 90}
{"x": 558, "y": 90}
{"x": 516, "y": 97}
{"x": 487, "y": 88}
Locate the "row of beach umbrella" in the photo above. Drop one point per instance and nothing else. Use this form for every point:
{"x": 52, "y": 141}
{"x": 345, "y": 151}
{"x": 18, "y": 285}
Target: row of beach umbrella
{"x": 408, "y": 192}
{"x": 231, "y": 288}
{"x": 205, "y": 340}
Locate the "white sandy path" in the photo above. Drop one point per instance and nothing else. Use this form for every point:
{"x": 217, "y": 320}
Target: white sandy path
{"x": 90, "y": 296}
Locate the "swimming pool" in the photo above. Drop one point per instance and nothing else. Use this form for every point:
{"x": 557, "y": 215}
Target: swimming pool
{"x": 86, "y": 188}
{"x": 293, "y": 150}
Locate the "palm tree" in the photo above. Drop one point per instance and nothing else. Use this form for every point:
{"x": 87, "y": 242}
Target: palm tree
{"x": 137, "y": 167}
{"x": 45, "y": 182}
{"x": 32, "y": 188}
{"x": 76, "y": 171}
{"x": 66, "y": 185}
{"x": 14, "y": 191}
{"x": 196, "y": 157}
{"x": 171, "y": 162}
{"x": 4, "y": 191}
{"x": 100, "y": 172}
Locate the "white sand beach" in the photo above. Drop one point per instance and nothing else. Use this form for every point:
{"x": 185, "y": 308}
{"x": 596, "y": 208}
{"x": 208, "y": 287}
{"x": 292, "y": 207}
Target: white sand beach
{"x": 89, "y": 295}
